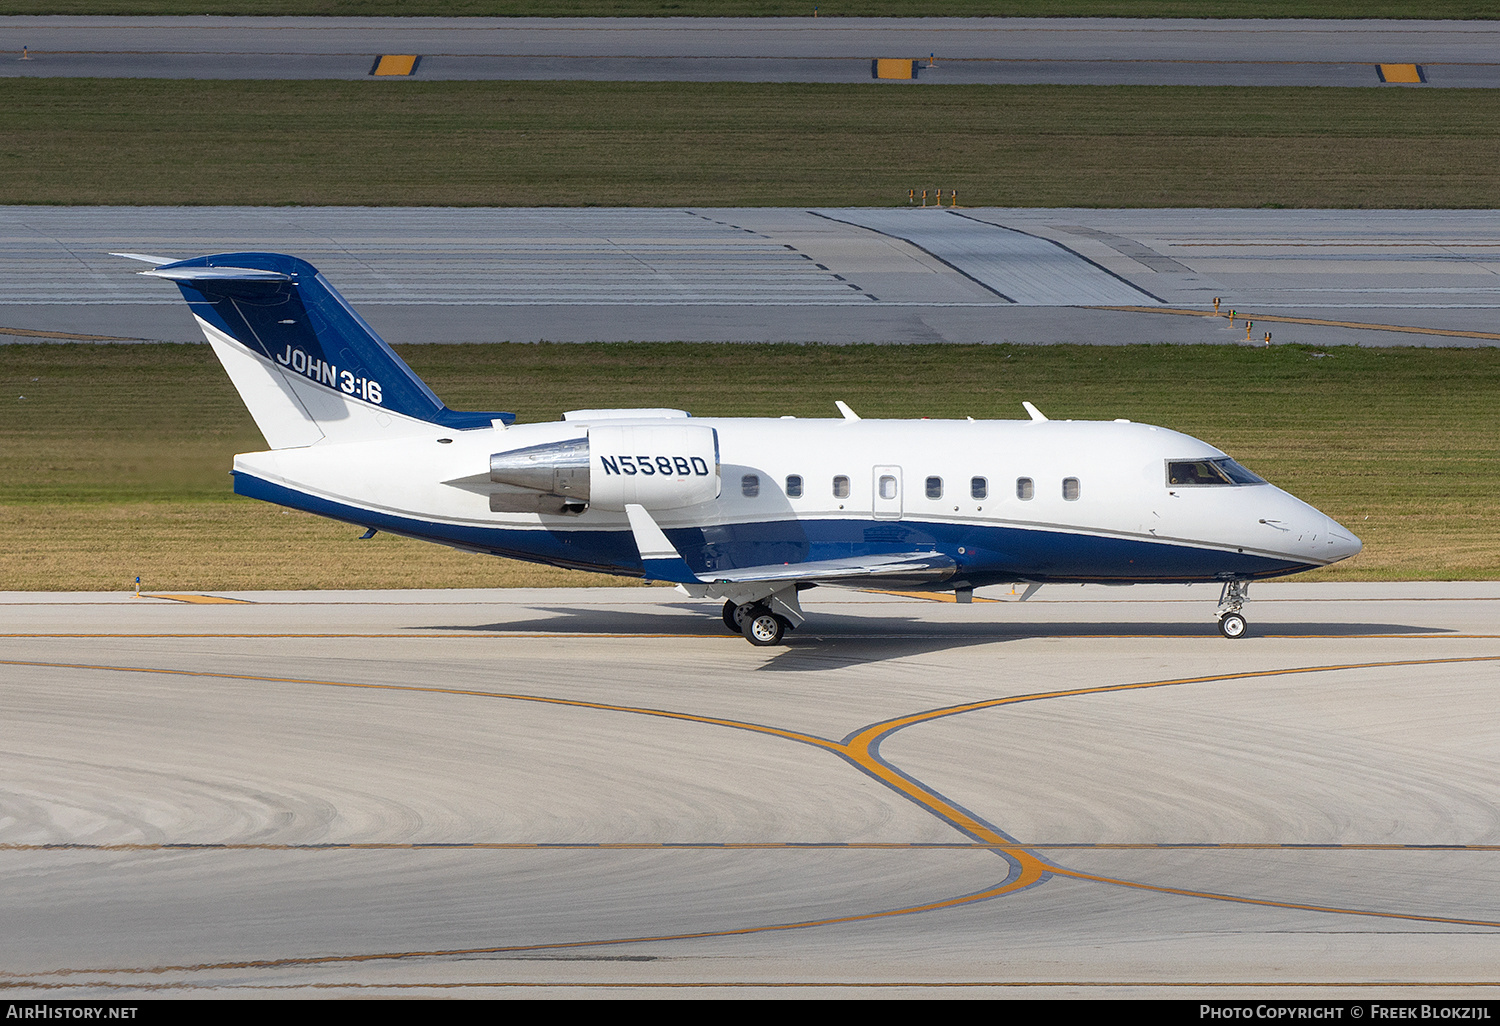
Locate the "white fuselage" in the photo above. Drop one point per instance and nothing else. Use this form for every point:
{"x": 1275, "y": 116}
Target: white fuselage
{"x": 990, "y": 486}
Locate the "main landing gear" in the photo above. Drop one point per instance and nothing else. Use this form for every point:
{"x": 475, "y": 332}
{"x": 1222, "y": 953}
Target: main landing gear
{"x": 1231, "y": 600}
{"x": 757, "y": 623}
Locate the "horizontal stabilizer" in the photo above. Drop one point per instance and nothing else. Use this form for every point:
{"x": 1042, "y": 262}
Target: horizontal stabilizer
{"x": 216, "y": 274}
{"x": 147, "y": 258}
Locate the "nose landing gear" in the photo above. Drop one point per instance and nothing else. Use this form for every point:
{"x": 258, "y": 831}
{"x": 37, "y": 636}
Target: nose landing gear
{"x": 1232, "y": 625}
{"x": 1231, "y": 600}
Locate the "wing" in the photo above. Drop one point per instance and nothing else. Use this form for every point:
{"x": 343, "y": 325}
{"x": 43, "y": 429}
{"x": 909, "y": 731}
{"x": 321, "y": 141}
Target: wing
{"x": 663, "y": 562}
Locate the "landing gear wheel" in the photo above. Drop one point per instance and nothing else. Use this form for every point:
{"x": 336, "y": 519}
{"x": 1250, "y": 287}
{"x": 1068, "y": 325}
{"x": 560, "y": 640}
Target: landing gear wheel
{"x": 763, "y": 627}
{"x": 734, "y": 617}
{"x": 1232, "y": 625}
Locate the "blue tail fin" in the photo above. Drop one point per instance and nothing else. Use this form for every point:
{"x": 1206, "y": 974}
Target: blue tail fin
{"x": 305, "y": 363}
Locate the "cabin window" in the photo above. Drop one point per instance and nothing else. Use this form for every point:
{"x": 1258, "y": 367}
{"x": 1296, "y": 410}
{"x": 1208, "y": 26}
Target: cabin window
{"x": 1070, "y": 489}
{"x": 1221, "y": 471}
{"x": 934, "y": 488}
{"x": 979, "y": 487}
{"x": 750, "y": 485}
{"x": 794, "y": 486}
{"x": 1025, "y": 489}
{"x": 841, "y": 487}
{"x": 887, "y": 486}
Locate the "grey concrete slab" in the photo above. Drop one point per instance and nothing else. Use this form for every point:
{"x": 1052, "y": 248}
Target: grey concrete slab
{"x": 790, "y": 275}
{"x": 958, "y": 50}
{"x": 591, "y": 791}
{"x": 1018, "y": 267}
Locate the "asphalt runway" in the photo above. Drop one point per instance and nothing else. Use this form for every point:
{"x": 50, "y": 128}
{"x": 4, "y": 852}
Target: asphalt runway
{"x": 1078, "y": 51}
{"x": 902, "y": 275}
{"x": 600, "y": 792}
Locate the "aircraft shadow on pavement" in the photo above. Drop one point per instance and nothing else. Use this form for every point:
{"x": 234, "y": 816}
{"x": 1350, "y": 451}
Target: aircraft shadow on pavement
{"x": 593, "y": 620}
{"x": 832, "y": 641}
{"x": 811, "y": 649}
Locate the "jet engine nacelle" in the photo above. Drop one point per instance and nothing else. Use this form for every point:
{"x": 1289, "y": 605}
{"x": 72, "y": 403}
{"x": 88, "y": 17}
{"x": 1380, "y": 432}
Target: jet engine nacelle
{"x": 658, "y": 466}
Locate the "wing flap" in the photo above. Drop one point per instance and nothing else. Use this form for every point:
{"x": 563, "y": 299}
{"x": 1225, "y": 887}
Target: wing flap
{"x": 903, "y": 566}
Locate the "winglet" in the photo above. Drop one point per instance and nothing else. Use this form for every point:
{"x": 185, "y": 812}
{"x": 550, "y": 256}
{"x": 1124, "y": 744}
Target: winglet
{"x": 1034, "y": 413}
{"x": 659, "y": 557}
{"x": 844, "y": 409}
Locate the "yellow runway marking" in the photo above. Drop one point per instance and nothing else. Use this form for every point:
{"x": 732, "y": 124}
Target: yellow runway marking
{"x": 1447, "y": 332}
{"x": 886, "y": 67}
{"x": 202, "y": 600}
{"x": 861, "y": 750}
{"x": 1400, "y": 73}
{"x": 870, "y": 737}
{"x": 395, "y": 64}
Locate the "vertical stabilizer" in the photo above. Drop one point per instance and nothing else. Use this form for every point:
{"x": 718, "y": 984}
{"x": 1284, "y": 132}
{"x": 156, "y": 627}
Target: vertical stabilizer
{"x": 308, "y": 367}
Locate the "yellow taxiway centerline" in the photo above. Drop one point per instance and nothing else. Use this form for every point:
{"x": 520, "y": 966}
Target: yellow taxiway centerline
{"x": 861, "y": 750}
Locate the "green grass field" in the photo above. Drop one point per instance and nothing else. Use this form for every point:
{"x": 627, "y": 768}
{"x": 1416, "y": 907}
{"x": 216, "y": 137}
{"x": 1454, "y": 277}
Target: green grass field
{"x": 80, "y": 141}
{"x": 777, "y": 8}
{"x": 115, "y": 464}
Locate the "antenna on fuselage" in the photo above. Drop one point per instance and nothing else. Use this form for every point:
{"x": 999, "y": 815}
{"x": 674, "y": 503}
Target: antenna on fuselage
{"x": 844, "y": 409}
{"x": 1033, "y": 412}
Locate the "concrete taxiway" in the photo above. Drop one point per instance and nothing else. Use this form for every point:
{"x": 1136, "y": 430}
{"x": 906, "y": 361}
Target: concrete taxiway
{"x": 1085, "y": 51}
{"x": 599, "y": 791}
{"x": 970, "y": 275}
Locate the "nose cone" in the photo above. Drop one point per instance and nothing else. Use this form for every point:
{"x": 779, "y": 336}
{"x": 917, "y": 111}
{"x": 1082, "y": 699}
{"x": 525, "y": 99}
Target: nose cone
{"x": 1341, "y": 542}
{"x": 1302, "y": 532}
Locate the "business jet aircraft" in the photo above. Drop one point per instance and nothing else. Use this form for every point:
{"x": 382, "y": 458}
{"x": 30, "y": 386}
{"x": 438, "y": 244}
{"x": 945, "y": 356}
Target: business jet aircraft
{"x": 750, "y": 511}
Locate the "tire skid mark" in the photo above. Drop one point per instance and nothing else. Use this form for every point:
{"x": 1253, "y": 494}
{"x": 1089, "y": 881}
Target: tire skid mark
{"x": 860, "y": 749}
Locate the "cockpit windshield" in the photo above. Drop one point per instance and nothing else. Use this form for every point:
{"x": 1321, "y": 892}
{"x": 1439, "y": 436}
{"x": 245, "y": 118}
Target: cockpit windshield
{"x": 1221, "y": 471}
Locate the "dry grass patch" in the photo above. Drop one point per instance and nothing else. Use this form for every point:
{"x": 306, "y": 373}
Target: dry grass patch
{"x": 235, "y": 546}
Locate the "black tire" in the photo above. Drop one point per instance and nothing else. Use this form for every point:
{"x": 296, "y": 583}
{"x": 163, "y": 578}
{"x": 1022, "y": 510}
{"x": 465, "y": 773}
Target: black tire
{"x": 1232, "y": 625}
{"x": 733, "y": 619}
{"x": 763, "y": 627}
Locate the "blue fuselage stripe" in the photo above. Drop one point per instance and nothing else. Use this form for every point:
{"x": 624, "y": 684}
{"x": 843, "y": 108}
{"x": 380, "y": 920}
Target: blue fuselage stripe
{"x": 985, "y": 553}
